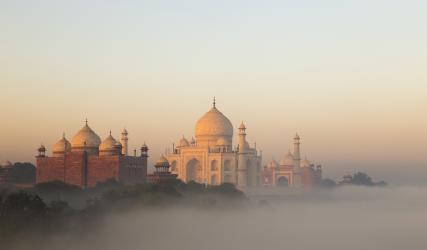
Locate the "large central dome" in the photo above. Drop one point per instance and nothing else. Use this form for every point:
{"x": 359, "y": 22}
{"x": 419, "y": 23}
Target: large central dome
{"x": 212, "y": 126}
{"x": 85, "y": 138}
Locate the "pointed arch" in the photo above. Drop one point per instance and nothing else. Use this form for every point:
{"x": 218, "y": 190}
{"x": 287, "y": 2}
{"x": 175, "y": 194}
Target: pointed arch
{"x": 194, "y": 171}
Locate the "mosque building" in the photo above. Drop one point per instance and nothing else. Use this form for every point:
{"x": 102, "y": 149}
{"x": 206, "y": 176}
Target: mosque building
{"x": 291, "y": 171}
{"x": 86, "y": 161}
{"x": 211, "y": 159}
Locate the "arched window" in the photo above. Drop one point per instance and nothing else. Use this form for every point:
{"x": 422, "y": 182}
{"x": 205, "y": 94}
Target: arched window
{"x": 214, "y": 180}
{"x": 227, "y": 166}
{"x": 228, "y": 178}
{"x": 173, "y": 166}
{"x": 214, "y": 165}
{"x": 282, "y": 182}
{"x": 194, "y": 171}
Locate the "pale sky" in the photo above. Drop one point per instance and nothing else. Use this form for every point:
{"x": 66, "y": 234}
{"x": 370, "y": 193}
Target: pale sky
{"x": 349, "y": 76}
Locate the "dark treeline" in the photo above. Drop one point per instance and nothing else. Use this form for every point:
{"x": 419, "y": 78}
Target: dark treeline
{"x": 53, "y": 208}
{"x": 357, "y": 179}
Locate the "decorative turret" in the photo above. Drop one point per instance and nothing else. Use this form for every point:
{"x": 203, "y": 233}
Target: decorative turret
{"x": 144, "y": 150}
{"x": 297, "y": 161}
{"x": 297, "y": 153}
{"x": 162, "y": 166}
{"x": 42, "y": 151}
{"x": 125, "y": 142}
{"x": 242, "y": 179}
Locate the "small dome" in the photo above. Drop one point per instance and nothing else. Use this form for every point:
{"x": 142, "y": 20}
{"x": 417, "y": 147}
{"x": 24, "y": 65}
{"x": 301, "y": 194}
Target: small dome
{"x": 272, "y": 164}
{"x": 183, "y": 143}
{"x": 86, "y": 137}
{"x": 144, "y": 147}
{"x": 242, "y": 126}
{"x": 162, "y": 162}
{"x": 61, "y": 146}
{"x": 305, "y": 163}
{"x": 6, "y": 164}
{"x": 125, "y": 132}
{"x": 214, "y": 124}
{"x": 288, "y": 160}
{"x": 42, "y": 148}
{"x": 108, "y": 144}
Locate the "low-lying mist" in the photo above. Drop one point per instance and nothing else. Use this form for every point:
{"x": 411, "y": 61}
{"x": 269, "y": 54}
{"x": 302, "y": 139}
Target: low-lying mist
{"x": 343, "y": 218}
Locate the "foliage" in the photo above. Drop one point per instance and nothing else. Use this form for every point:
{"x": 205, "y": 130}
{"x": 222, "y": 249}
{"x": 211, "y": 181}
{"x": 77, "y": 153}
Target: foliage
{"x": 362, "y": 179}
{"x": 22, "y": 212}
{"x": 328, "y": 183}
{"x": 23, "y": 173}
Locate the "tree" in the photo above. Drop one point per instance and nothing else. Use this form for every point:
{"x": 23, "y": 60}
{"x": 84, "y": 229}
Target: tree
{"x": 23, "y": 173}
{"x": 20, "y": 210}
{"x": 362, "y": 179}
{"x": 328, "y": 183}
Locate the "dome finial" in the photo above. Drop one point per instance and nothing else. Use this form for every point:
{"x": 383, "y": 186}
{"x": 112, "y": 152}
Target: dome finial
{"x": 110, "y": 131}
{"x": 86, "y": 121}
{"x": 214, "y": 102}
{"x": 63, "y": 135}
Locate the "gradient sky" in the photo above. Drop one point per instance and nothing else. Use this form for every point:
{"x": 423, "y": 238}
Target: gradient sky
{"x": 349, "y": 76}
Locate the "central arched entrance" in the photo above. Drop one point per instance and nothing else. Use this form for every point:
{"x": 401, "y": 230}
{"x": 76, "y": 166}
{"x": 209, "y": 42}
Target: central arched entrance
{"x": 282, "y": 182}
{"x": 194, "y": 171}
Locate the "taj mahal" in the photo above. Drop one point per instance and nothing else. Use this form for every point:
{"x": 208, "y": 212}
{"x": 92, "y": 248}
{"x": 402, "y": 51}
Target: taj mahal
{"x": 212, "y": 158}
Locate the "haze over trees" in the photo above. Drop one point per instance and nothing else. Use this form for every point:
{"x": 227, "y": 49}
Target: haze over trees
{"x": 54, "y": 207}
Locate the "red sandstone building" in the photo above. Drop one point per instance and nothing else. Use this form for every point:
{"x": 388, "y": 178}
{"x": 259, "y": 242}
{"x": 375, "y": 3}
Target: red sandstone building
{"x": 87, "y": 161}
{"x": 292, "y": 171}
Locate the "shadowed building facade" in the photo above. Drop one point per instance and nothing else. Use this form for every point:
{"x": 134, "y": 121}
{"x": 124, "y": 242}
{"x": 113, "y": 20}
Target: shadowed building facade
{"x": 86, "y": 161}
{"x": 211, "y": 159}
{"x": 162, "y": 172}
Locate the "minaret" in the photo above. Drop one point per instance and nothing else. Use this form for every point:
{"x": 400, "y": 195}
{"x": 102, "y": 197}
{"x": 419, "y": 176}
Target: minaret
{"x": 297, "y": 161}
{"x": 125, "y": 141}
{"x": 242, "y": 175}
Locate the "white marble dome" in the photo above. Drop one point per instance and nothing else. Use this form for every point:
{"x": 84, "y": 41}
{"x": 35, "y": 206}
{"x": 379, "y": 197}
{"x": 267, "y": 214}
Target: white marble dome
{"x": 288, "y": 160}
{"x": 213, "y": 125}
{"x": 61, "y": 146}
{"x": 86, "y": 137}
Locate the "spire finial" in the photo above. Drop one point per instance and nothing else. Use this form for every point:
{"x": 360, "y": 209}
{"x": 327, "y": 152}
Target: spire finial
{"x": 63, "y": 135}
{"x": 214, "y": 102}
{"x": 110, "y": 131}
{"x": 86, "y": 121}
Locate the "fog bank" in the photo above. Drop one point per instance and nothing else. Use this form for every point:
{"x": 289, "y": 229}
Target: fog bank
{"x": 344, "y": 218}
